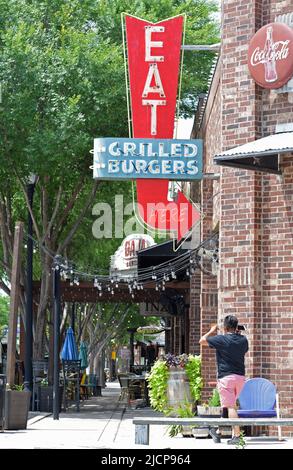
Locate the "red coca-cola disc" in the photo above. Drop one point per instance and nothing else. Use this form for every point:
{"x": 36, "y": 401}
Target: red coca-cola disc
{"x": 270, "y": 55}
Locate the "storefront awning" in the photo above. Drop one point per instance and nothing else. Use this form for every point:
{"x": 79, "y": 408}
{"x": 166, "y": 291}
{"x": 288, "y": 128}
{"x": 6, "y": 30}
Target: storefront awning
{"x": 259, "y": 155}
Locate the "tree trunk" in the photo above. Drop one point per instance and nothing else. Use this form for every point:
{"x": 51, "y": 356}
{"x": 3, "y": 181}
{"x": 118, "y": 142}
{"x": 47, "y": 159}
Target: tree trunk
{"x": 45, "y": 292}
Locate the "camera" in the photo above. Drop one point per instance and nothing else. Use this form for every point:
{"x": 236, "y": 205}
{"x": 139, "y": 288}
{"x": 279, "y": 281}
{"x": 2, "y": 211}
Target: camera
{"x": 240, "y": 328}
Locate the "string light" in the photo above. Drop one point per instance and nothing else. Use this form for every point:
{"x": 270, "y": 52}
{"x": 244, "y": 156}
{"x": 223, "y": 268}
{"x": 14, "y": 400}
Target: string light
{"x": 163, "y": 272}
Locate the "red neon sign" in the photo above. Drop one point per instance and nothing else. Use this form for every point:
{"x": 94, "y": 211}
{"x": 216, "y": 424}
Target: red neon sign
{"x": 153, "y": 61}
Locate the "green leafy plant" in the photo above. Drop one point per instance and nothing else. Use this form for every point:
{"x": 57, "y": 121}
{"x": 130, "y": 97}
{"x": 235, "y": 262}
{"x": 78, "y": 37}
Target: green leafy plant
{"x": 242, "y": 442}
{"x": 157, "y": 383}
{"x": 193, "y": 372}
{"x": 215, "y": 399}
{"x": 183, "y": 411}
{"x": 18, "y": 388}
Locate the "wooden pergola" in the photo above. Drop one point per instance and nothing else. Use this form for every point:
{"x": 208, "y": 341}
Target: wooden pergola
{"x": 86, "y": 292}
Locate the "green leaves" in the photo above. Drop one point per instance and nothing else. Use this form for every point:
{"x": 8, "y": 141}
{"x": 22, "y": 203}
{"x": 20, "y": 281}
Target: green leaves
{"x": 63, "y": 84}
{"x": 4, "y": 311}
{"x": 157, "y": 383}
{"x": 193, "y": 371}
{"x": 215, "y": 399}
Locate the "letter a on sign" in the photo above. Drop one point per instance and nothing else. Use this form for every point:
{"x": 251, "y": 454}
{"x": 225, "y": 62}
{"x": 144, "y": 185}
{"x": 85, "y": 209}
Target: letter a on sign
{"x": 153, "y": 60}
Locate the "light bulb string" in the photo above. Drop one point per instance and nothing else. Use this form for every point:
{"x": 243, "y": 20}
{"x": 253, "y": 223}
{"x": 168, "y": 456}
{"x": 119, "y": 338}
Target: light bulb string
{"x": 165, "y": 271}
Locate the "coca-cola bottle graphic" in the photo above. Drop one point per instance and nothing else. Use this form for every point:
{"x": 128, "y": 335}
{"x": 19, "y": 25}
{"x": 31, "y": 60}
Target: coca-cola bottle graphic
{"x": 270, "y": 61}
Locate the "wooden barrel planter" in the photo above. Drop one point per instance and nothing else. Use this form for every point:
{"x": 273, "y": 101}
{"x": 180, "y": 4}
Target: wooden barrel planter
{"x": 178, "y": 393}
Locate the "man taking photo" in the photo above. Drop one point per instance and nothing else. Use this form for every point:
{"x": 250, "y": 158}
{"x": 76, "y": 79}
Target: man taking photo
{"x": 231, "y": 348}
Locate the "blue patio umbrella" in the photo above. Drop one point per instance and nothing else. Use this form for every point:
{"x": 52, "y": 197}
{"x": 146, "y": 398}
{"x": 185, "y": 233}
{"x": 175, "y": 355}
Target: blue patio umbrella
{"x": 69, "y": 351}
{"x": 83, "y": 355}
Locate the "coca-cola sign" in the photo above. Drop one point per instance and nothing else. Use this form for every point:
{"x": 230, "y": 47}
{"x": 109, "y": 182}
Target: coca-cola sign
{"x": 270, "y": 55}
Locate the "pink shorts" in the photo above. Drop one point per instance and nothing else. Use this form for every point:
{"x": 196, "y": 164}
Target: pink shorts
{"x": 229, "y": 389}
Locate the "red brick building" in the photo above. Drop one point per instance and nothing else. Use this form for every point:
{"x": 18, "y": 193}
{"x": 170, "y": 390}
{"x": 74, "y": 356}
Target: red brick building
{"x": 253, "y": 210}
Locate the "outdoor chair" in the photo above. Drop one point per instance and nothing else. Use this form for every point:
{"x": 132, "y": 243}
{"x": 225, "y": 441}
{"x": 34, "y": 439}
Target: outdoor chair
{"x": 259, "y": 399}
{"x": 127, "y": 390}
{"x": 88, "y": 385}
{"x": 71, "y": 378}
{"x": 83, "y": 388}
{"x": 40, "y": 373}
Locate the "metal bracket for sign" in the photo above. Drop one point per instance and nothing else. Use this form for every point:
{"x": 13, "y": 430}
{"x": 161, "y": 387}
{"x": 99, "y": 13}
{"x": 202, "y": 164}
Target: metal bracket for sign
{"x": 207, "y": 47}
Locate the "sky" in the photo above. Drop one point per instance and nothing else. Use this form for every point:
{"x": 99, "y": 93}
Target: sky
{"x": 184, "y": 128}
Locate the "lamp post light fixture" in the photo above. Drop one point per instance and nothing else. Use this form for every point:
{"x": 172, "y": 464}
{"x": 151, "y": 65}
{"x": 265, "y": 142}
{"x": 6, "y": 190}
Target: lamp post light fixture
{"x": 131, "y": 331}
{"x": 31, "y": 182}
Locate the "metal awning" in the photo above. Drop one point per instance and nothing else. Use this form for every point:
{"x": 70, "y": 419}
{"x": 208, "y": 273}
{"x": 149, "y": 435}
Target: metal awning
{"x": 259, "y": 155}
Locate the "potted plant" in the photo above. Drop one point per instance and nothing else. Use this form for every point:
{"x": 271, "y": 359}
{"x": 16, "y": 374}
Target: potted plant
{"x": 45, "y": 394}
{"x": 183, "y": 411}
{"x": 175, "y": 386}
{"x": 17, "y": 403}
{"x": 212, "y": 409}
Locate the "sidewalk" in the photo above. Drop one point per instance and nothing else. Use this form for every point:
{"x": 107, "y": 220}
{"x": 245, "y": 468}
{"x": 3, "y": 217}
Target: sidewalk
{"x": 105, "y": 423}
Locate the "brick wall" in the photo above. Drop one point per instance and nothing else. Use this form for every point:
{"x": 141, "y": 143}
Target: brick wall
{"x": 277, "y": 318}
{"x": 194, "y": 314}
{"x": 255, "y": 210}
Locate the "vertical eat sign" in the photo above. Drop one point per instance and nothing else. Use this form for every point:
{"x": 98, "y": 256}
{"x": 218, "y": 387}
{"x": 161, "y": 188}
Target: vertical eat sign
{"x": 153, "y": 62}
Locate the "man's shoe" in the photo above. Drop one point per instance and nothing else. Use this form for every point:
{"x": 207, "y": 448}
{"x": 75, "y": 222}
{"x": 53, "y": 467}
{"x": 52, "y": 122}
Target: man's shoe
{"x": 234, "y": 441}
{"x": 215, "y": 436}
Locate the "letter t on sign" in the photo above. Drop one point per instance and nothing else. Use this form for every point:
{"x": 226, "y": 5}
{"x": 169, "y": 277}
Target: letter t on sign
{"x": 153, "y": 104}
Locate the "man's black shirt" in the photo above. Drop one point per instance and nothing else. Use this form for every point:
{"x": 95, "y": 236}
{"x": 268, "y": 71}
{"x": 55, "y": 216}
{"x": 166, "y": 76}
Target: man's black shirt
{"x": 230, "y": 350}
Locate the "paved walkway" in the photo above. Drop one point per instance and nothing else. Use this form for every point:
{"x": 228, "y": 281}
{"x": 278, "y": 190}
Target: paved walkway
{"x": 105, "y": 423}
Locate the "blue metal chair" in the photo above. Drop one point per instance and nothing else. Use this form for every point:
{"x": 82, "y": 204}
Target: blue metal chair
{"x": 259, "y": 399}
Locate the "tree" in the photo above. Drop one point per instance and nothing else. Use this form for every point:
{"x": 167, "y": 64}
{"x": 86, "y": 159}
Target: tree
{"x": 62, "y": 82}
{"x": 102, "y": 325}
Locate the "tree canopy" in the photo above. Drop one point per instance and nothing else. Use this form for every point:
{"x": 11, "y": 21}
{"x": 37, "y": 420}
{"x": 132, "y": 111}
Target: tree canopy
{"x": 62, "y": 85}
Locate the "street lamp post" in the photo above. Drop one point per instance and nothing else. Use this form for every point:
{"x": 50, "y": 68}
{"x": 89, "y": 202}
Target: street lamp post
{"x": 57, "y": 314}
{"x": 28, "y": 372}
{"x": 131, "y": 331}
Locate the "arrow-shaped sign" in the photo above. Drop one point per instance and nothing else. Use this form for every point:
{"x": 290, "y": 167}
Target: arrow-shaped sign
{"x": 153, "y": 51}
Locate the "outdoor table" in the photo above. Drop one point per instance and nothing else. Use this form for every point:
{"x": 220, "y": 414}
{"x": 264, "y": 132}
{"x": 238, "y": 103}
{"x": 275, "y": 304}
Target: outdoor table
{"x": 142, "y": 379}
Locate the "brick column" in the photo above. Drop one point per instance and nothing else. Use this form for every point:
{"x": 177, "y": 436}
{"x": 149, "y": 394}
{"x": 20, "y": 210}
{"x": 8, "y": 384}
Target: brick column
{"x": 240, "y": 275}
{"x": 194, "y": 313}
{"x": 209, "y": 297}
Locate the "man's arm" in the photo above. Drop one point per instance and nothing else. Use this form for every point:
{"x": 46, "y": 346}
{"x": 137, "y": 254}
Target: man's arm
{"x": 203, "y": 339}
